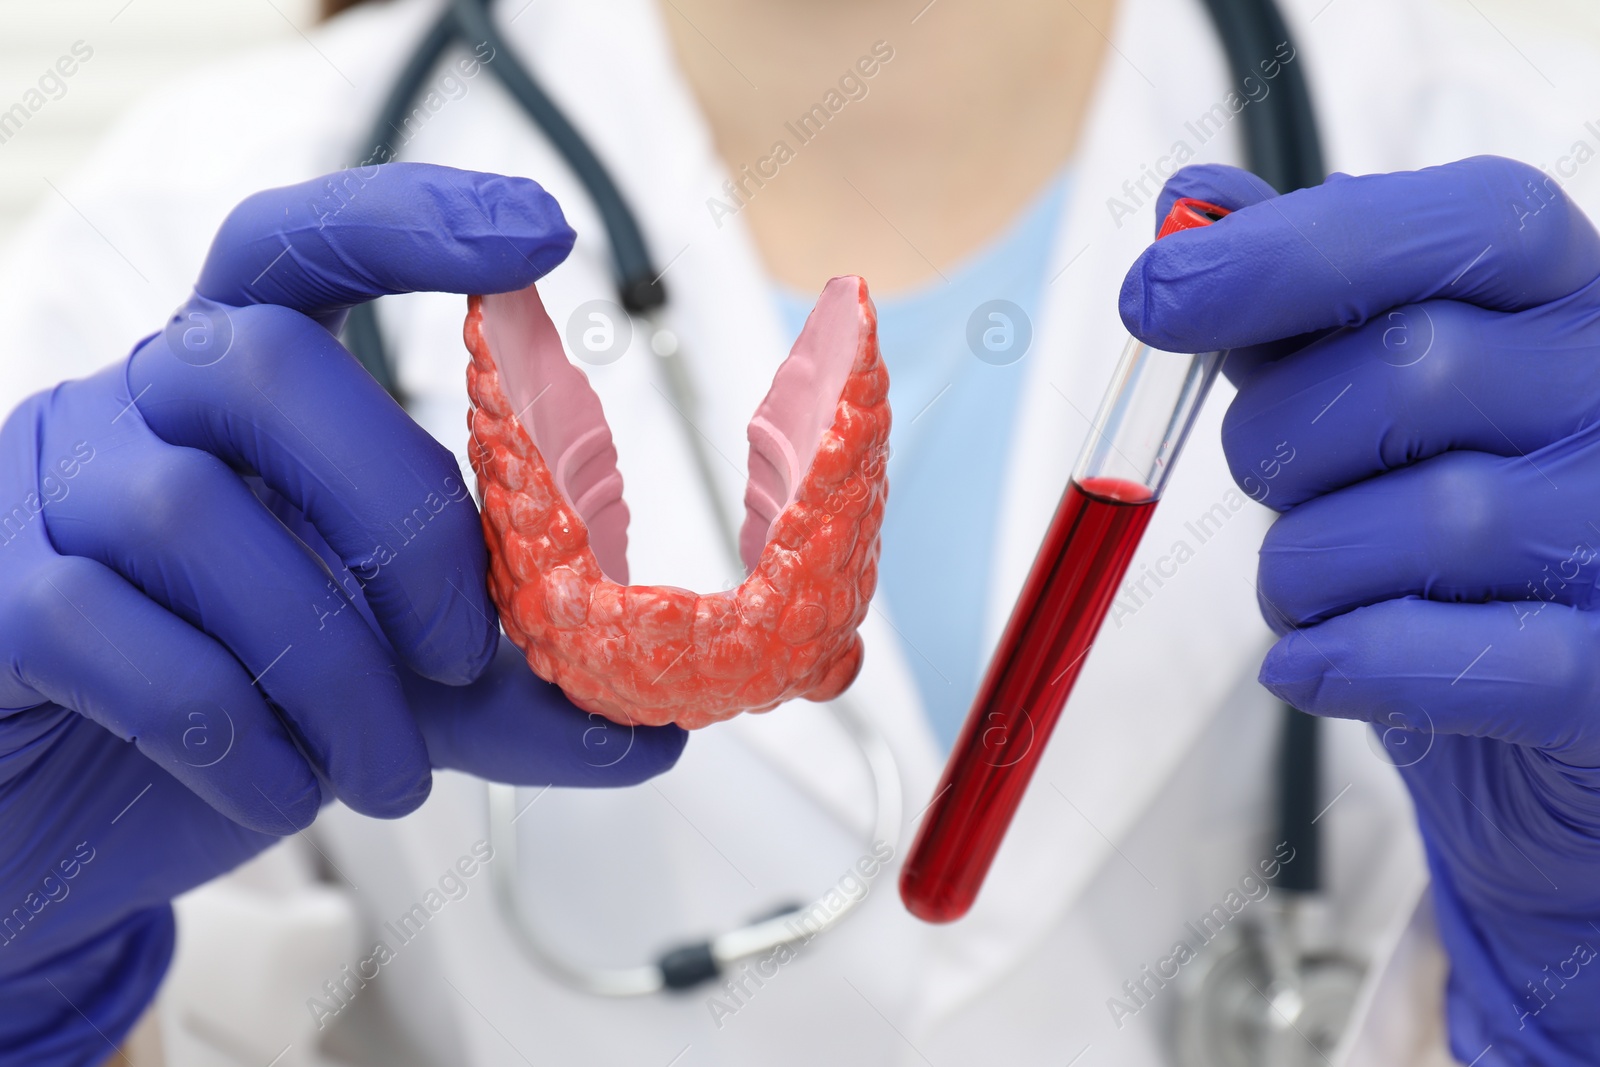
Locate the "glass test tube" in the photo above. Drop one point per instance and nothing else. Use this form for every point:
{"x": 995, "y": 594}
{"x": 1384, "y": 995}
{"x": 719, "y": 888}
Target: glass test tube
{"x": 1135, "y": 440}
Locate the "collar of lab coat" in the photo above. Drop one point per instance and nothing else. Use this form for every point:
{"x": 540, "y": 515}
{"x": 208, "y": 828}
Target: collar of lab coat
{"x": 1147, "y": 691}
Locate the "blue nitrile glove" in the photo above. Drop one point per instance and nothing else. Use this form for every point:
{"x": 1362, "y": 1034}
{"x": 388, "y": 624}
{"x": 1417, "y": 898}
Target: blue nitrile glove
{"x": 236, "y": 581}
{"x": 1434, "y": 445}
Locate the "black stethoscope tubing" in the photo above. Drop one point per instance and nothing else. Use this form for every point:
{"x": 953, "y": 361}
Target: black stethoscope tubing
{"x": 1283, "y": 145}
{"x": 638, "y": 282}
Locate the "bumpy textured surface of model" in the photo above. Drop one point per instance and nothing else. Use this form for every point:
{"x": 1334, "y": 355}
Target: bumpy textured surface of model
{"x": 556, "y": 524}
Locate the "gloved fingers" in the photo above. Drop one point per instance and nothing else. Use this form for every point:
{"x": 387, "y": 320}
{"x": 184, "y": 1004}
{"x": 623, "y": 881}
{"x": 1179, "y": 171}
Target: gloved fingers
{"x": 1227, "y": 187}
{"x": 510, "y": 726}
{"x": 1233, "y": 189}
{"x": 324, "y": 245}
{"x": 1485, "y": 230}
{"x": 1479, "y": 670}
{"x": 1415, "y": 382}
{"x": 285, "y": 400}
{"x": 82, "y": 637}
{"x": 184, "y": 529}
{"x": 300, "y": 528}
{"x": 1462, "y": 526}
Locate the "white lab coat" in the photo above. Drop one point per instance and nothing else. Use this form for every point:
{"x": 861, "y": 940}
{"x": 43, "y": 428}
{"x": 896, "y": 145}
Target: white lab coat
{"x": 1153, "y": 799}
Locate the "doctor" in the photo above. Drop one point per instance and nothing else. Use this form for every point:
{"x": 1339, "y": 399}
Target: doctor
{"x": 1415, "y": 355}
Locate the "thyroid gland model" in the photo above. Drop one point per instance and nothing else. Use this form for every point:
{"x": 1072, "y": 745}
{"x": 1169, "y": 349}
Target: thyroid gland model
{"x": 557, "y": 526}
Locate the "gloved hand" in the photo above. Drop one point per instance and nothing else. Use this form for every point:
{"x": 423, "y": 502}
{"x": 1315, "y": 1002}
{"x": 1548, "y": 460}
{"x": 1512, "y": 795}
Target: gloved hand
{"x": 1418, "y": 360}
{"x": 236, "y": 581}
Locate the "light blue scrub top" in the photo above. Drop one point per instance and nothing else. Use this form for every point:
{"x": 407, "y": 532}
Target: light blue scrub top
{"x": 954, "y": 417}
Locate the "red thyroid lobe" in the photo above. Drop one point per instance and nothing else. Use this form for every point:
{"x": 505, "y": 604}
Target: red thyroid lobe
{"x": 557, "y": 527}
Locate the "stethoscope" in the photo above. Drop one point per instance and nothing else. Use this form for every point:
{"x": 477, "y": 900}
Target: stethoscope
{"x": 1237, "y": 1010}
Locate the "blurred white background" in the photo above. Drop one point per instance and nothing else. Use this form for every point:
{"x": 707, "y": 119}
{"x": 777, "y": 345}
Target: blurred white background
{"x": 137, "y": 45}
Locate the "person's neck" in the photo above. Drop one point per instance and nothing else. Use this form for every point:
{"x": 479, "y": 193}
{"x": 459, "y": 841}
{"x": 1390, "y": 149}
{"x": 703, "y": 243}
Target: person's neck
{"x": 979, "y": 106}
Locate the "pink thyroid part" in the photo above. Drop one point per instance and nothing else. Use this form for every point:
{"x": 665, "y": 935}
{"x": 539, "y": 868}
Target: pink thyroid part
{"x": 557, "y": 526}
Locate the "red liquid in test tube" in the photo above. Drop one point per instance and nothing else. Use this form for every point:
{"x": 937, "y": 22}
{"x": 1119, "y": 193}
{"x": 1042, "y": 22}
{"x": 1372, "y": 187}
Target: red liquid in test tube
{"x": 1097, "y": 527}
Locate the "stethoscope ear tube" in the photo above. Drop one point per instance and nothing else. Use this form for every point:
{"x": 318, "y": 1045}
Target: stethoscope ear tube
{"x": 687, "y": 966}
{"x": 1284, "y": 148}
{"x": 1281, "y": 140}
{"x": 1299, "y": 791}
{"x": 610, "y": 982}
{"x": 638, "y": 282}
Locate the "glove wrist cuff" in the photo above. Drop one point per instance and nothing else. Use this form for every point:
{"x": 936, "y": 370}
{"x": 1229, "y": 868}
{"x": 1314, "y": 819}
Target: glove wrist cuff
{"x": 75, "y": 1009}
{"x": 1504, "y": 1007}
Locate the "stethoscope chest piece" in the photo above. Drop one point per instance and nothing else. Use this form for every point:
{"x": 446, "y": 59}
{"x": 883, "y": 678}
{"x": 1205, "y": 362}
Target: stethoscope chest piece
{"x": 1251, "y": 1000}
